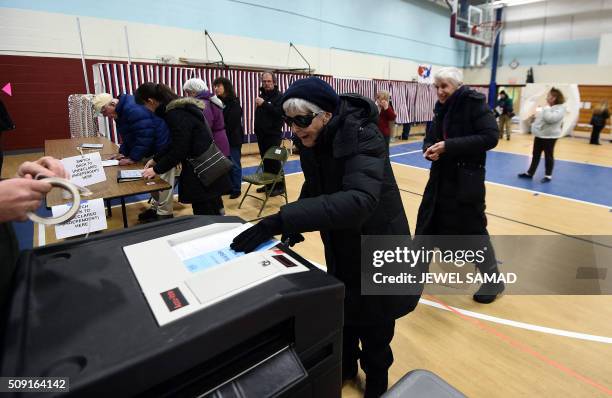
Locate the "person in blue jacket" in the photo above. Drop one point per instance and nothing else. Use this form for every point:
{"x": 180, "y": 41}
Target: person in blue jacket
{"x": 143, "y": 134}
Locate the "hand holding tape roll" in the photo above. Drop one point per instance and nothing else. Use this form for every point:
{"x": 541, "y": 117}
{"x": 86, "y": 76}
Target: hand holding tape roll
{"x": 75, "y": 192}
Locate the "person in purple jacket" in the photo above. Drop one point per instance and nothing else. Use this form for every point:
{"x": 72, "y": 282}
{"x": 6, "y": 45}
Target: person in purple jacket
{"x": 213, "y": 111}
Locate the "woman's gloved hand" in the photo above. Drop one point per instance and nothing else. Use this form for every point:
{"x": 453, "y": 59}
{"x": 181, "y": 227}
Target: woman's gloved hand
{"x": 292, "y": 239}
{"x": 261, "y": 232}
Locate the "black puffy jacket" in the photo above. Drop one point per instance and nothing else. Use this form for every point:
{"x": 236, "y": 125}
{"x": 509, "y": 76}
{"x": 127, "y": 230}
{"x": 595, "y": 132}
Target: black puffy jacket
{"x": 454, "y": 199}
{"x": 190, "y": 137}
{"x": 350, "y": 191}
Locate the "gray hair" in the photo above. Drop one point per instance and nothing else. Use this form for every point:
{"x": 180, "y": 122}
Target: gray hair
{"x": 267, "y": 72}
{"x": 383, "y": 94}
{"x": 300, "y": 106}
{"x": 450, "y": 74}
{"x": 195, "y": 85}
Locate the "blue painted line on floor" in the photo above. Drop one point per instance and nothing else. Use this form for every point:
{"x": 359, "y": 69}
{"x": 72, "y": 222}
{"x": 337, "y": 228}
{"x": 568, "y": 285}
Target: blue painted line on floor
{"x": 573, "y": 180}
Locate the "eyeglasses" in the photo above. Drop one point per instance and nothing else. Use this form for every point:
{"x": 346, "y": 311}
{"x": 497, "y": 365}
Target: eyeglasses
{"x": 302, "y": 121}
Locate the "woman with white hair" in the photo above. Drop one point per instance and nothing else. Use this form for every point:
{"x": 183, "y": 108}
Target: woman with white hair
{"x": 213, "y": 111}
{"x": 349, "y": 191}
{"x": 462, "y": 132}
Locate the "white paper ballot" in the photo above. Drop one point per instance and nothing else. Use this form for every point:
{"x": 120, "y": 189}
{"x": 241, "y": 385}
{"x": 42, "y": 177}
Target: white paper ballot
{"x": 85, "y": 169}
{"x": 200, "y": 253}
{"x": 185, "y": 272}
{"x": 131, "y": 174}
{"x": 110, "y": 162}
{"x": 91, "y": 217}
{"x": 86, "y": 145}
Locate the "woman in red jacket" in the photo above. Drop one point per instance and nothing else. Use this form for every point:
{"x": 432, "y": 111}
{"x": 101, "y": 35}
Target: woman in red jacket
{"x": 386, "y": 114}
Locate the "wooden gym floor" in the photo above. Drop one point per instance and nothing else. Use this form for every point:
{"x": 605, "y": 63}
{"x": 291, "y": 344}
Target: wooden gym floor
{"x": 542, "y": 346}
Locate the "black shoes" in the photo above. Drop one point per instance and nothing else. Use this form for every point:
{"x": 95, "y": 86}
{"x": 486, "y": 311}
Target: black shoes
{"x": 151, "y": 215}
{"x": 277, "y": 192}
{"x": 147, "y": 214}
{"x": 261, "y": 189}
{"x": 529, "y": 177}
{"x": 234, "y": 195}
{"x": 488, "y": 292}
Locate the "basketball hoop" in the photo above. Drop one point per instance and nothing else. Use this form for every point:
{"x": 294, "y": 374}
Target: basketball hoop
{"x": 487, "y": 30}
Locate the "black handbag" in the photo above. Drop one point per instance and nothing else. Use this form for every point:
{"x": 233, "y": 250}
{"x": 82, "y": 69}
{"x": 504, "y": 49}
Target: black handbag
{"x": 210, "y": 165}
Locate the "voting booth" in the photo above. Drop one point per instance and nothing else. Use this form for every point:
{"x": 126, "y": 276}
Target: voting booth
{"x": 165, "y": 309}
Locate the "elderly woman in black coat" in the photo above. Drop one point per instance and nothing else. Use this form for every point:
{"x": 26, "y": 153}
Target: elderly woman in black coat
{"x": 190, "y": 136}
{"x": 349, "y": 191}
{"x": 463, "y": 130}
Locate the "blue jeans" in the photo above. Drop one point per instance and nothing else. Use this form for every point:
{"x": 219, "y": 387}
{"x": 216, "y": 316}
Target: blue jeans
{"x": 236, "y": 173}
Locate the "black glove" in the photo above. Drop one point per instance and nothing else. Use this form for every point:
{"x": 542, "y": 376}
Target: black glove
{"x": 258, "y": 234}
{"x": 292, "y": 239}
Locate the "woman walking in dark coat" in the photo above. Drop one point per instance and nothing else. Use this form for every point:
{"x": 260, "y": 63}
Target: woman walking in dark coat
{"x": 463, "y": 130}
{"x": 190, "y": 137}
{"x": 349, "y": 191}
{"x": 234, "y": 127}
{"x": 600, "y": 115}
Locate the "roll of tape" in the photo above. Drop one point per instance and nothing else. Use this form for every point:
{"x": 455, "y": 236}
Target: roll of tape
{"x": 76, "y": 203}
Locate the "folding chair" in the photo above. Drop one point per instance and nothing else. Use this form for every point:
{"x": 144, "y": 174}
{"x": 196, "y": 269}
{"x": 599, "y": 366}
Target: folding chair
{"x": 267, "y": 179}
{"x": 287, "y": 136}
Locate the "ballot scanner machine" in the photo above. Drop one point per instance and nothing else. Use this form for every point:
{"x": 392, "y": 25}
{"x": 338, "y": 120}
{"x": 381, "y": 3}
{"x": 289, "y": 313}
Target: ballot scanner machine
{"x": 149, "y": 311}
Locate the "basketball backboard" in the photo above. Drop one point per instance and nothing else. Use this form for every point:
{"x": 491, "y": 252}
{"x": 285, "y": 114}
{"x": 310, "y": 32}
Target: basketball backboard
{"x": 474, "y": 21}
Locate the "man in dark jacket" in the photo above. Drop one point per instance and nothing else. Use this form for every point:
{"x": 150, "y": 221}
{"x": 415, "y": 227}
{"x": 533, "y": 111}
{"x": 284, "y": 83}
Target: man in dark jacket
{"x": 504, "y": 110}
{"x": 143, "y": 134}
{"x": 453, "y": 203}
{"x": 268, "y": 124}
{"x": 349, "y": 191}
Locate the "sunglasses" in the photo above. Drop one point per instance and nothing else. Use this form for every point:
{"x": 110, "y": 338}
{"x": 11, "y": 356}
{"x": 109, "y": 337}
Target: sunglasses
{"x": 302, "y": 121}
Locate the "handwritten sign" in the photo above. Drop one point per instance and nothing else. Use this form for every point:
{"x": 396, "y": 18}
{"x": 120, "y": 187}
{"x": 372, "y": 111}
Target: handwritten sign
{"x": 85, "y": 169}
{"x": 91, "y": 217}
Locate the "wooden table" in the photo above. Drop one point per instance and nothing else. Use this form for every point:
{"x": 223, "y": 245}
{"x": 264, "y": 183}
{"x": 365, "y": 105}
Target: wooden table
{"x": 109, "y": 189}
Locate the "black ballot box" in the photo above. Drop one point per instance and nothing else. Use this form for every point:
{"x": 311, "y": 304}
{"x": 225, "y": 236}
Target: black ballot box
{"x": 77, "y": 311}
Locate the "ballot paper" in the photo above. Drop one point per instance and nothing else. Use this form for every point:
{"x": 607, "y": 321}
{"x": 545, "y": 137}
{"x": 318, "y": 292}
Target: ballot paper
{"x": 129, "y": 175}
{"x": 87, "y": 145}
{"x": 110, "y": 162}
{"x": 203, "y": 252}
{"x": 185, "y": 272}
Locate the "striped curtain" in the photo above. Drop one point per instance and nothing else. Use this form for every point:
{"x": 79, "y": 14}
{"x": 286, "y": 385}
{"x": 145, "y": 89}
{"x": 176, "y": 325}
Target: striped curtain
{"x": 117, "y": 79}
{"x": 413, "y": 102}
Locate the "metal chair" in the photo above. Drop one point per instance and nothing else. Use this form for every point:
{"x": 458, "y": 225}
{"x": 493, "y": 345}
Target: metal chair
{"x": 271, "y": 180}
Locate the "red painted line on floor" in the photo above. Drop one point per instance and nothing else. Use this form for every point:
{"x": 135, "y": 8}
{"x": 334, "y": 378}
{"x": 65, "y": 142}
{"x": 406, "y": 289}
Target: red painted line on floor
{"x": 525, "y": 348}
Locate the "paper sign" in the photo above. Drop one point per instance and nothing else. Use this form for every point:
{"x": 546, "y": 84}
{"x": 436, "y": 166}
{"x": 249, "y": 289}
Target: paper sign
{"x": 91, "y": 217}
{"x": 85, "y": 169}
